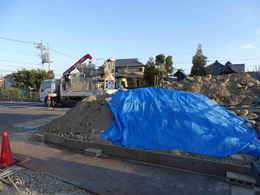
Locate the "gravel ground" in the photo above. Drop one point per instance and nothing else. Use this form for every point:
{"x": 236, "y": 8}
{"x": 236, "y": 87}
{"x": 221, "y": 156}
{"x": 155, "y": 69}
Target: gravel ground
{"x": 38, "y": 183}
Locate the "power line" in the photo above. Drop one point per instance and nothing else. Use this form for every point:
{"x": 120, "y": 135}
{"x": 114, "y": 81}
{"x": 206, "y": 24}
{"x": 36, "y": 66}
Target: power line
{"x": 20, "y": 54}
{"x": 61, "y": 53}
{"x": 16, "y": 62}
{"x": 34, "y": 43}
{"x": 16, "y": 40}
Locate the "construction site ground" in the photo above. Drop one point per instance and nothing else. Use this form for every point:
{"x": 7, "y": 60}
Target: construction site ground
{"x": 98, "y": 175}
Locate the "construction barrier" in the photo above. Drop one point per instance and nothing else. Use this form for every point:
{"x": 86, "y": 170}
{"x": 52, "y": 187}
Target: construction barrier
{"x": 6, "y": 153}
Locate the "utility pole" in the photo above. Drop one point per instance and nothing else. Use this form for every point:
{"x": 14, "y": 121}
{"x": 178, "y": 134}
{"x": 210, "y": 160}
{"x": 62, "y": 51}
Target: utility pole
{"x": 44, "y": 54}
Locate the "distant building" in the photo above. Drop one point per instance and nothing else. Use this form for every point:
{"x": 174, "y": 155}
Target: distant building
{"x": 215, "y": 69}
{"x": 9, "y": 82}
{"x": 218, "y": 69}
{"x": 132, "y": 70}
{"x": 255, "y": 75}
{"x": 237, "y": 68}
{"x": 1, "y": 82}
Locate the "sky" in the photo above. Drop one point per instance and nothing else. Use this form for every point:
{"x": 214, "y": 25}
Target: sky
{"x": 227, "y": 30}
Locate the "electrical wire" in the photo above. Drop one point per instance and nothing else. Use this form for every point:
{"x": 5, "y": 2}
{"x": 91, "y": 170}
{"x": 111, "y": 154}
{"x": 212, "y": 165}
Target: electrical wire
{"x": 16, "y": 40}
{"x": 61, "y": 53}
{"x": 16, "y": 62}
{"x": 34, "y": 43}
{"x": 98, "y": 59}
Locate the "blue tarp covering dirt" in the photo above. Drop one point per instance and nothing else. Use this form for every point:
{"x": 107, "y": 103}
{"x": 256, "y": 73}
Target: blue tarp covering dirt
{"x": 164, "y": 119}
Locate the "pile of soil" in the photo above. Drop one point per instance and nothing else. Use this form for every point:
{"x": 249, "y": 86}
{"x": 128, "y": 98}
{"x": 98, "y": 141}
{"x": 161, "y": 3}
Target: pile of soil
{"x": 84, "y": 122}
{"x": 231, "y": 89}
{"x": 92, "y": 116}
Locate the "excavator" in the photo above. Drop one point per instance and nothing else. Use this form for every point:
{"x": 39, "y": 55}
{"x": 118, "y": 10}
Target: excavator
{"x": 88, "y": 81}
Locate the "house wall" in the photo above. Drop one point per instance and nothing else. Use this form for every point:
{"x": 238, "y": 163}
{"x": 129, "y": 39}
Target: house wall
{"x": 1, "y": 84}
{"x": 127, "y": 69}
{"x": 9, "y": 83}
{"x": 135, "y": 83}
{"x": 133, "y": 75}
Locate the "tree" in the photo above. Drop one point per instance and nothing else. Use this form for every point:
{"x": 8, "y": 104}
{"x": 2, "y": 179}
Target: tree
{"x": 152, "y": 75}
{"x": 150, "y": 62}
{"x": 164, "y": 63}
{"x": 160, "y": 59}
{"x": 169, "y": 64}
{"x": 39, "y": 76}
{"x": 158, "y": 69}
{"x": 31, "y": 78}
{"x": 199, "y": 61}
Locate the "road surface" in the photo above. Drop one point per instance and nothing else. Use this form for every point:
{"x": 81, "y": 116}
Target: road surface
{"x": 17, "y": 117}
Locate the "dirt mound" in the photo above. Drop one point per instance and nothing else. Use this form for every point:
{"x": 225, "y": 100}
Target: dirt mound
{"x": 231, "y": 89}
{"x": 92, "y": 116}
{"x": 85, "y": 122}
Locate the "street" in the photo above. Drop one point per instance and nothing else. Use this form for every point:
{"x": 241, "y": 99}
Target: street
{"x": 22, "y": 116}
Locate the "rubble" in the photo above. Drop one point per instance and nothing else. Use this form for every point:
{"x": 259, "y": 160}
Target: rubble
{"x": 252, "y": 116}
{"x": 231, "y": 89}
{"x": 239, "y": 93}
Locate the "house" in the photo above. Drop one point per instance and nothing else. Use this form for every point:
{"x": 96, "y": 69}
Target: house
{"x": 9, "y": 82}
{"x": 255, "y": 75}
{"x": 1, "y": 82}
{"x": 218, "y": 69}
{"x": 237, "y": 68}
{"x": 215, "y": 69}
{"x": 130, "y": 70}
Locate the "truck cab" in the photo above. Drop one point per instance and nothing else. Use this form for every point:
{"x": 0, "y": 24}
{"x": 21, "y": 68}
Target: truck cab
{"x": 47, "y": 87}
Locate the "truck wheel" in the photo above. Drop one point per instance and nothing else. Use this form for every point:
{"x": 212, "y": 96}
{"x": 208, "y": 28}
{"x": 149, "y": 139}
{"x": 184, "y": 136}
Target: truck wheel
{"x": 49, "y": 102}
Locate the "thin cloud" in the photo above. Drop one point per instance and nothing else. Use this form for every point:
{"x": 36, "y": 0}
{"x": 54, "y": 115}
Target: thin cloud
{"x": 248, "y": 46}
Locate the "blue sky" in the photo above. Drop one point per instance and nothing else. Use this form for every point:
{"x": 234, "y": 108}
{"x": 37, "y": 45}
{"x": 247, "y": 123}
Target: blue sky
{"x": 227, "y": 30}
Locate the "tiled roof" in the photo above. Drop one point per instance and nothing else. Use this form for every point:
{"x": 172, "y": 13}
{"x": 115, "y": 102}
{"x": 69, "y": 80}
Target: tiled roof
{"x": 128, "y": 62}
{"x": 238, "y": 68}
{"x": 217, "y": 68}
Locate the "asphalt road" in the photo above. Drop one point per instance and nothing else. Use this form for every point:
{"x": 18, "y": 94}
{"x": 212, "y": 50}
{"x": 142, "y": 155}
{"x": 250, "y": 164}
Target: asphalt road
{"x": 23, "y": 116}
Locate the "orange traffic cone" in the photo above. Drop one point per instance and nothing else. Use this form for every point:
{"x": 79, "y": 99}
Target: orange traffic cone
{"x": 6, "y": 154}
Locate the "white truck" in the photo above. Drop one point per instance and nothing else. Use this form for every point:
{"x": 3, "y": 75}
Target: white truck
{"x": 75, "y": 86}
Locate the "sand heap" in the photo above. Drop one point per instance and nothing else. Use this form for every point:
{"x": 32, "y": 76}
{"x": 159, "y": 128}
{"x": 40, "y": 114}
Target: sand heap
{"x": 231, "y": 89}
{"x": 84, "y": 122}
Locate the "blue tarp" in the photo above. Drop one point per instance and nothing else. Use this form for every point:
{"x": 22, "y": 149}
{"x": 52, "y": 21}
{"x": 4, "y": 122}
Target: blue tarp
{"x": 163, "y": 119}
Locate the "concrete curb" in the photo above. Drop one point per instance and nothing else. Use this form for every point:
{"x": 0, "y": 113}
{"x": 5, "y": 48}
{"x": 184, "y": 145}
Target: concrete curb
{"x": 200, "y": 166}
